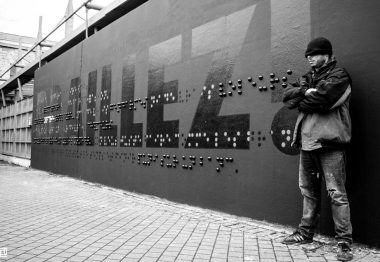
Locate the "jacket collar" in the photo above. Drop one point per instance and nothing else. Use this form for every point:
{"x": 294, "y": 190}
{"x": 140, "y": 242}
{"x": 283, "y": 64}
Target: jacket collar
{"x": 324, "y": 69}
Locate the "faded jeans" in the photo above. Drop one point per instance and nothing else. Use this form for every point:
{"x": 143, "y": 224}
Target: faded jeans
{"x": 329, "y": 164}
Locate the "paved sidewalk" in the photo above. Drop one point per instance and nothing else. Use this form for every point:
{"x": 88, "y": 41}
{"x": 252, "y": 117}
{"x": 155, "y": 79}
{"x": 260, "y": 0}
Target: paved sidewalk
{"x": 45, "y": 217}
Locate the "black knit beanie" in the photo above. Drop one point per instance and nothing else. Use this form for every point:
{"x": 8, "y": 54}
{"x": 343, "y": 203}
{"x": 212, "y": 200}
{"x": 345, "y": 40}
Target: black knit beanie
{"x": 319, "y": 46}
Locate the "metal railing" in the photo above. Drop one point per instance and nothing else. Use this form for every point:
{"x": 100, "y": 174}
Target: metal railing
{"x": 87, "y": 4}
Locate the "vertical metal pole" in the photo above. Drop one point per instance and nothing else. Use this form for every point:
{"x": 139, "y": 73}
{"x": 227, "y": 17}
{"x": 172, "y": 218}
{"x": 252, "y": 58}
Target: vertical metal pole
{"x": 86, "y": 21}
{"x": 20, "y": 88}
{"x": 40, "y": 55}
{"x": 2, "y": 95}
{"x": 69, "y": 25}
{"x": 39, "y": 38}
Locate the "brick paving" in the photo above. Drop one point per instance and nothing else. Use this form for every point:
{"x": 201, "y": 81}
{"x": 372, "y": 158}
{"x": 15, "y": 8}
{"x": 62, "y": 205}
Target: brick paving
{"x": 45, "y": 217}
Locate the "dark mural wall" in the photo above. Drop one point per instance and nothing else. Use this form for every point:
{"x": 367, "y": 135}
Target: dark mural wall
{"x": 182, "y": 100}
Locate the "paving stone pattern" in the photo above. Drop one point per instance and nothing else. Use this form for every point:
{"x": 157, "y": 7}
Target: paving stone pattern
{"x": 46, "y": 217}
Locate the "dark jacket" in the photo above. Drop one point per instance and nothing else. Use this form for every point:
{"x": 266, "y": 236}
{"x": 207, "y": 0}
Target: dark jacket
{"x": 324, "y": 119}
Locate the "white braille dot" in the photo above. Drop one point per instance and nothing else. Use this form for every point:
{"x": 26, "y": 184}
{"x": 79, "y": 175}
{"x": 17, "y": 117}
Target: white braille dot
{"x": 288, "y": 132}
{"x": 225, "y": 133}
{"x": 204, "y": 88}
{"x": 209, "y": 97}
{"x": 283, "y": 132}
{"x": 238, "y": 133}
{"x": 248, "y": 133}
{"x": 234, "y": 144}
{"x": 271, "y": 132}
{"x": 209, "y": 92}
{"x": 207, "y": 139}
{"x": 216, "y": 133}
{"x": 196, "y": 144}
{"x": 216, "y": 144}
{"x": 234, "y": 139}
{"x": 247, "y": 138}
{"x": 189, "y": 144}
{"x": 288, "y": 138}
{"x": 283, "y": 144}
{"x": 212, "y": 86}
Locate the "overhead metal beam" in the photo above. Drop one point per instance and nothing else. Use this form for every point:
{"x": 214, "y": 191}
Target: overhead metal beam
{"x": 105, "y": 16}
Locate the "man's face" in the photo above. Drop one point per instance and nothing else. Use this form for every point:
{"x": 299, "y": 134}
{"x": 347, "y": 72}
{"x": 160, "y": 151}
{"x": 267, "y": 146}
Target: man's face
{"x": 317, "y": 61}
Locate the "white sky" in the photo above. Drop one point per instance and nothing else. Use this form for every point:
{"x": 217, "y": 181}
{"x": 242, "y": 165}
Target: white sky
{"x": 21, "y": 17}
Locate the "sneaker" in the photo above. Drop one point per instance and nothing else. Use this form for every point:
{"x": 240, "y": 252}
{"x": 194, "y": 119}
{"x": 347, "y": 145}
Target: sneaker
{"x": 296, "y": 238}
{"x": 344, "y": 252}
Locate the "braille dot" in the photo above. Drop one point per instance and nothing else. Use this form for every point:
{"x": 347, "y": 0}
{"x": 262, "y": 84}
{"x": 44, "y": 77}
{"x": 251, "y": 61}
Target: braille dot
{"x": 283, "y": 132}
{"x": 289, "y": 72}
{"x": 288, "y": 138}
{"x": 249, "y": 79}
{"x": 240, "y": 92}
{"x": 217, "y": 169}
{"x": 220, "y": 84}
{"x": 284, "y": 79}
{"x": 283, "y": 144}
{"x": 288, "y": 132}
{"x": 253, "y": 84}
{"x": 261, "y": 77}
{"x": 272, "y": 87}
{"x": 233, "y": 87}
{"x": 239, "y": 81}
{"x": 284, "y": 85}
{"x": 230, "y": 82}
{"x": 271, "y": 75}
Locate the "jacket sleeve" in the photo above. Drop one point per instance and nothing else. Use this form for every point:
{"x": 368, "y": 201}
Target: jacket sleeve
{"x": 294, "y": 94}
{"x": 328, "y": 92}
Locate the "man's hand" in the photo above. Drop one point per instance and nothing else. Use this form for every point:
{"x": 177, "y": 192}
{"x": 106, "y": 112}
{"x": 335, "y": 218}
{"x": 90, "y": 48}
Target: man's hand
{"x": 310, "y": 90}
